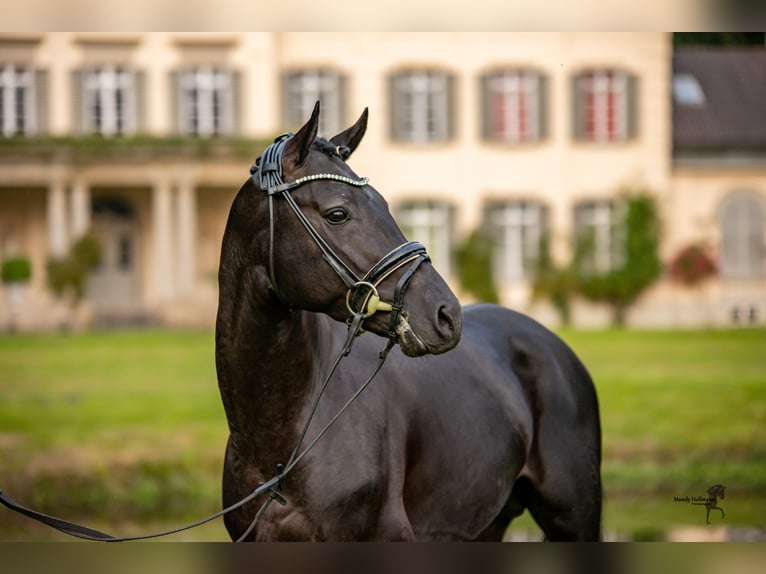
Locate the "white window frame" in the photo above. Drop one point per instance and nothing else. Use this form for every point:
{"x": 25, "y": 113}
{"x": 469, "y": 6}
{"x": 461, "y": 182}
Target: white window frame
{"x": 206, "y": 101}
{"x": 606, "y": 218}
{"x": 303, "y": 89}
{"x": 742, "y": 223}
{"x": 430, "y": 223}
{"x": 518, "y": 227}
{"x": 605, "y": 99}
{"x": 109, "y": 100}
{"x": 17, "y": 98}
{"x": 513, "y": 98}
{"x": 421, "y": 106}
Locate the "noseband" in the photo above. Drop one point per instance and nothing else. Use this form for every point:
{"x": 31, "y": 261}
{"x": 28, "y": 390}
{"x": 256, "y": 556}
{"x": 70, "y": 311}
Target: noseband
{"x": 362, "y": 297}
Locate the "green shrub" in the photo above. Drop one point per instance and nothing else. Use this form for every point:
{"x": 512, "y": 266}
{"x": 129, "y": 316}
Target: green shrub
{"x": 620, "y": 287}
{"x": 16, "y": 270}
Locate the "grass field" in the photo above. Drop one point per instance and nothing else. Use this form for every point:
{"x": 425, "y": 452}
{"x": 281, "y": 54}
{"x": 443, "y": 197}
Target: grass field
{"x": 125, "y": 431}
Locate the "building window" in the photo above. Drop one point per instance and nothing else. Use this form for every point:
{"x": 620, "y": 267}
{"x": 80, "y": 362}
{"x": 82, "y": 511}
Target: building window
{"x": 17, "y": 99}
{"x": 303, "y": 89}
{"x": 742, "y": 220}
{"x": 518, "y": 229}
{"x": 430, "y": 223}
{"x": 600, "y": 235}
{"x": 206, "y": 101}
{"x": 687, "y": 90}
{"x": 421, "y": 104}
{"x": 605, "y": 106}
{"x": 109, "y": 101}
{"x": 513, "y": 106}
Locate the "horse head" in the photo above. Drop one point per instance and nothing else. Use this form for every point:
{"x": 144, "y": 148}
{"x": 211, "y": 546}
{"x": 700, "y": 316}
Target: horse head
{"x": 717, "y": 491}
{"x": 332, "y": 246}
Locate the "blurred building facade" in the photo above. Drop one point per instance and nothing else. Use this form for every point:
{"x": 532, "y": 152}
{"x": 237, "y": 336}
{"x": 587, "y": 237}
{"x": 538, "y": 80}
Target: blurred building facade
{"x": 144, "y": 139}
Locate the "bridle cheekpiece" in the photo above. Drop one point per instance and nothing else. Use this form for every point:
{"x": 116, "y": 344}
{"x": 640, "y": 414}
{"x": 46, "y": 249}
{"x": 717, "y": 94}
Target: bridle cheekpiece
{"x": 362, "y": 298}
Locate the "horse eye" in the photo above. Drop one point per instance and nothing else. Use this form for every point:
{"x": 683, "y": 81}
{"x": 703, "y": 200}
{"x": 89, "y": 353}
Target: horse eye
{"x": 337, "y": 216}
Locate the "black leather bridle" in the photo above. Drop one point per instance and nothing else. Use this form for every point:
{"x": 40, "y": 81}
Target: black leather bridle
{"x": 362, "y": 300}
{"x": 362, "y": 297}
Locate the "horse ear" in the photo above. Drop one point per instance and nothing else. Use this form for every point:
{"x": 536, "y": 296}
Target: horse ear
{"x": 351, "y": 137}
{"x": 298, "y": 147}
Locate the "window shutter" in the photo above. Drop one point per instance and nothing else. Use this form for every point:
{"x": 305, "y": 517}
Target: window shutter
{"x": 485, "y": 99}
{"x": 579, "y": 233}
{"x": 235, "y": 100}
{"x": 545, "y": 218}
{"x": 288, "y": 114}
{"x": 756, "y": 240}
{"x": 41, "y": 102}
{"x": 729, "y": 248}
{"x": 78, "y": 103}
{"x": 176, "y": 103}
{"x": 632, "y": 97}
{"x": 578, "y": 108}
{"x": 743, "y": 238}
{"x": 451, "y": 119}
{"x": 542, "y": 107}
{"x": 393, "y": 106}
{"x": 139, "y": 98}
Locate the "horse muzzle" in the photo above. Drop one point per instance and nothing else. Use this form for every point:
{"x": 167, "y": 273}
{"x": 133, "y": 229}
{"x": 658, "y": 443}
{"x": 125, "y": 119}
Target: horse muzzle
{"x": 439, "y": 335}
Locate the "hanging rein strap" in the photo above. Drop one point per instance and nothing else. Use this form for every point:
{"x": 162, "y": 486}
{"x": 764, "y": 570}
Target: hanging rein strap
{"x": 79, "y": 531}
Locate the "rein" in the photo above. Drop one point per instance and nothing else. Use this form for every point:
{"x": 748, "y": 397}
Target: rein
{"x": 362, "y": 295}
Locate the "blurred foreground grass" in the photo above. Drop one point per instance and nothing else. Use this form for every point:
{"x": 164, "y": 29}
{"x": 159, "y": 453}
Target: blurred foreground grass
{"x": 126, "y": 430}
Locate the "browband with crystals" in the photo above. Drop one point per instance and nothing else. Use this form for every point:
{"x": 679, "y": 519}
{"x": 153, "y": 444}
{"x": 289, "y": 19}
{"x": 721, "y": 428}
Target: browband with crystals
{"x": 269, "y": 170}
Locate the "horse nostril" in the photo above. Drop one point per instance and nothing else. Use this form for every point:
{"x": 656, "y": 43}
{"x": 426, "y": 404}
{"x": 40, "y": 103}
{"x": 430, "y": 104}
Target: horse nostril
{"x": 444, "y": 322}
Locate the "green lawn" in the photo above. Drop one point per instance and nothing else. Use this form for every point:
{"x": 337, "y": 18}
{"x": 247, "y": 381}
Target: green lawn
{"x": 126, "y": 431}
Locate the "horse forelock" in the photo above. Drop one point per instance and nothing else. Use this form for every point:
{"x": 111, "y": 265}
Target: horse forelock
{"x": 330, "y": 149}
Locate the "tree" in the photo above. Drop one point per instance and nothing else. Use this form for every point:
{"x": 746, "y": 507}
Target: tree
{"x": 67, "y": 276}
{"x": 719, "y": 38}
{"x": 640, "y": 267}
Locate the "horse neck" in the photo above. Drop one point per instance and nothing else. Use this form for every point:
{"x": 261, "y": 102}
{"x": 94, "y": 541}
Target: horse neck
{"x": 266, "y": 357}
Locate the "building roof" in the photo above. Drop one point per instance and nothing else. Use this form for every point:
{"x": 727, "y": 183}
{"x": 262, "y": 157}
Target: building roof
{"x": 727, "y": 110}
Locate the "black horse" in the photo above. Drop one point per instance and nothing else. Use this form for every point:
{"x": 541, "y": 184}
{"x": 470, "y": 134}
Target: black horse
{"x": 496, "y": 414}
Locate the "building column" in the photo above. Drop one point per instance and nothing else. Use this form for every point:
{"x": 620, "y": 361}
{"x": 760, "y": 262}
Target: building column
{"x": 57, "y": 219}
{"x": 186, "y": 236}
{"x": 162, "y": 240}
{"x": 80, "y": 205}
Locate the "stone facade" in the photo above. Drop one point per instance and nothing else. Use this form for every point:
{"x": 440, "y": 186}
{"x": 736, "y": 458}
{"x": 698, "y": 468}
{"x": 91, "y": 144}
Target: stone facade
{"x": 160, "y": 209}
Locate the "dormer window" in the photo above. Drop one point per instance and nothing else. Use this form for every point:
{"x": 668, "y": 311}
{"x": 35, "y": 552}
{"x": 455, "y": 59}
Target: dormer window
{"x": 687, "y": 90}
